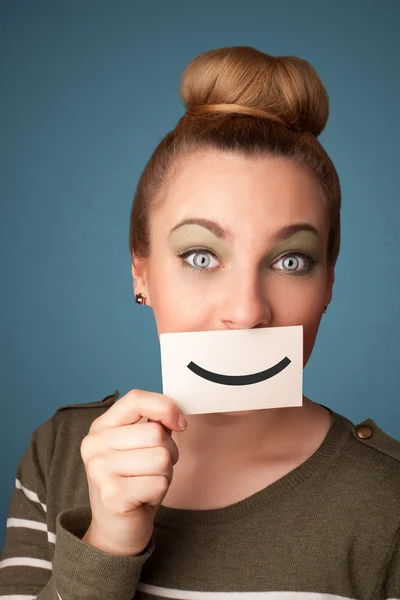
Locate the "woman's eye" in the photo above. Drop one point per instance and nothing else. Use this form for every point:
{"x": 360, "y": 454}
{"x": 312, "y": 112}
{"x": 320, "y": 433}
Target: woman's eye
{"x": 297, "y": 263}
{"x": 201, "y": 260}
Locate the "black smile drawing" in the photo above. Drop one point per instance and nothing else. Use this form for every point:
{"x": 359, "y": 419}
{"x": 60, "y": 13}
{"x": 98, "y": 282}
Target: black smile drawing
{"x": 239, "y": 379}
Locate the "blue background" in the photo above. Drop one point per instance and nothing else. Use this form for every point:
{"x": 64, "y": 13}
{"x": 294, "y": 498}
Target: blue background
{"x": 88, "y": 89}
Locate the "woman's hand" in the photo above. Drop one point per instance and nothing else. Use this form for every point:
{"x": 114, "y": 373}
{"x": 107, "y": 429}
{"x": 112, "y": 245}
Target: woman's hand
{"x": 129, "y": 468}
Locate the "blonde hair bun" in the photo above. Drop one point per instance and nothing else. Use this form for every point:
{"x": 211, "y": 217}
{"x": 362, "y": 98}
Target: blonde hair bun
{"x": 286, "y": 88}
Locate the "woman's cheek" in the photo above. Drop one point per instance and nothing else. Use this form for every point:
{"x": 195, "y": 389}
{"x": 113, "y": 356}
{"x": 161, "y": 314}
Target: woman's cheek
{"x": 309, "y": 336}
{"x": 178, "y": 305}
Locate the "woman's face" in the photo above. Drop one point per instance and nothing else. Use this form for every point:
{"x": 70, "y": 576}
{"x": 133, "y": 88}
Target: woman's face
{"x": 238, "y": 243}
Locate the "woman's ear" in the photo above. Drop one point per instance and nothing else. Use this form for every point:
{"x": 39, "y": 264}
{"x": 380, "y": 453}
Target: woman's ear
{"x": 139, "y": 275}
{"x": 330, "y": 282}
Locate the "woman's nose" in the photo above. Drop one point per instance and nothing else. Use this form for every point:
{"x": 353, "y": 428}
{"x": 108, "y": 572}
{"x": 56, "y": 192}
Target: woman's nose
{"x": 244, "y": 305}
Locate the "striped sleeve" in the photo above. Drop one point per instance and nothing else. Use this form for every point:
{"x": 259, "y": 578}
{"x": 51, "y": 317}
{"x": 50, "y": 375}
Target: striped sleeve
{"x": 392, "y": 575}
{"x": 26, "y": 559}
{"x": 56, "y": 565}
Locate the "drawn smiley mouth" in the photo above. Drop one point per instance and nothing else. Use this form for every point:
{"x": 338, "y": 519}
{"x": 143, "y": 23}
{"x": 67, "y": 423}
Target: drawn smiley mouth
{"x": 239, "y": 379}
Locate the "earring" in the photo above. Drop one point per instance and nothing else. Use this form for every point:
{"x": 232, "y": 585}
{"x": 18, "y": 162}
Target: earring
{"x": 140, "y": 299}
{"x": 326, "y": 306}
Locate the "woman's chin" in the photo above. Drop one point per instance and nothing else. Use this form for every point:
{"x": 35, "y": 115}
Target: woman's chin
{"x": 238, "y": 413}
{"x": 235, "y": 414}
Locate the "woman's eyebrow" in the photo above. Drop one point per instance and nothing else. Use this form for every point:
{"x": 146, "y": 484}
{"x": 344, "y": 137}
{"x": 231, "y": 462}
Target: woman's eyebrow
{"x": 212, "y": 226}
{"x": 225, "y": 234}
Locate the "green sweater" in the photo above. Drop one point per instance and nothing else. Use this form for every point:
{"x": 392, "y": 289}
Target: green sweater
{"x": 329, "y": 529}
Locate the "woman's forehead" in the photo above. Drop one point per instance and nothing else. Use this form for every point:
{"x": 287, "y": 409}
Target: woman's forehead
{"x": 218, "y": 185}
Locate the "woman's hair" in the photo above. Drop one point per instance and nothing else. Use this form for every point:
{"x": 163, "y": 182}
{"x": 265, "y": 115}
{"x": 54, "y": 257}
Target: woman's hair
{"x": 243, "y": 101}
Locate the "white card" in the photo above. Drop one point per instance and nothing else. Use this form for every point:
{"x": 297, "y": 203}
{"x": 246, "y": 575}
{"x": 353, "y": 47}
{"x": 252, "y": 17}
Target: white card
{"x": 233, "y": 370}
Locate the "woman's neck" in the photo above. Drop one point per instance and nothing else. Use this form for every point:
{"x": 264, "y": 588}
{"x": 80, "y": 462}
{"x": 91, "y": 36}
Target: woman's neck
{"x": 259, "y": 434}
{"x": 225, "y": 458}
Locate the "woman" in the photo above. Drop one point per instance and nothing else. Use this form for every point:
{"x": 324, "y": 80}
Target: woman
{"x": 235, "y": 225}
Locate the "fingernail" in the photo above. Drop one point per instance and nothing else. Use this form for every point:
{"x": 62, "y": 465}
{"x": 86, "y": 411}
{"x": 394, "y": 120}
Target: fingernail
{"x": 182, "y": 422}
